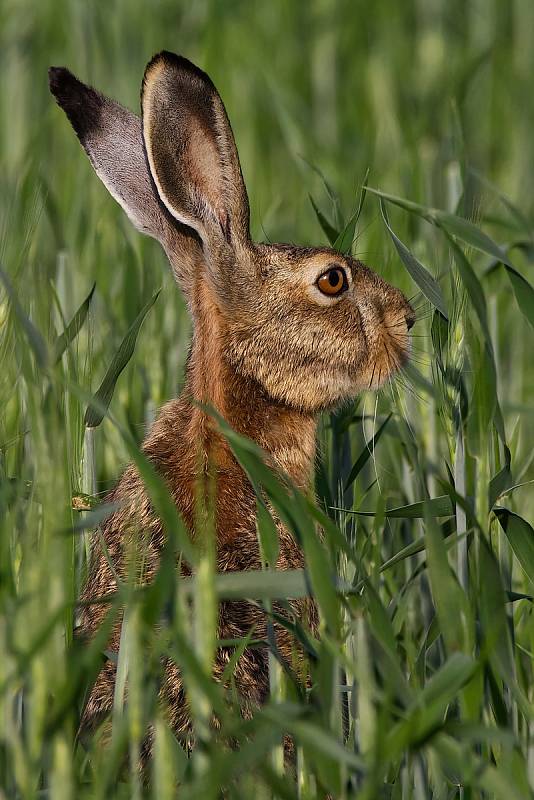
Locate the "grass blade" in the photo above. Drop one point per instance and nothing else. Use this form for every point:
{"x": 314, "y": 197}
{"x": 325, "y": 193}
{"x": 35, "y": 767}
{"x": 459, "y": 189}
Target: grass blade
{"x": 343, "y": 243}
{"x": 457, "y": 226}
{"x": 366, "y": 453}
{"x": 94, "y": 415}
{"x": 521, "y": 537}
{"x": 35, "y": 340}
{"x": 422, "y": 277}
{"x": 330, "y": 232}
{"x": 524, "y": 293}
{"x": 73, "y": 328}
{"x": 435, "y": 506}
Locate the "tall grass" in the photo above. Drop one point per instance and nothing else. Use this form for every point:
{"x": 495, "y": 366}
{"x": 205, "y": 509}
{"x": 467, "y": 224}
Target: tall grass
{"x": 422, "y": 677}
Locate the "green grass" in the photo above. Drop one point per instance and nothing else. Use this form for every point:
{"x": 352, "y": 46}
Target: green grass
{"x": 423, "y": 674}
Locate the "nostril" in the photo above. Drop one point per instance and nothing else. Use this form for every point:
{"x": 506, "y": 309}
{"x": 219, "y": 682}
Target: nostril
{"x": 410, "y": 320}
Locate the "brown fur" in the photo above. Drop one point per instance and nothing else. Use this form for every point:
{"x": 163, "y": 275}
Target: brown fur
{"x": 269, "y": 350}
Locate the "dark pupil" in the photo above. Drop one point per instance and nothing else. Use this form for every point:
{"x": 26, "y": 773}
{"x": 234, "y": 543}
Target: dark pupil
{"x": 333, "y": 277}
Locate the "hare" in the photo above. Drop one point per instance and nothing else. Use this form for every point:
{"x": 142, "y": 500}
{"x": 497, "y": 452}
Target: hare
{"x": 280, "y": 333}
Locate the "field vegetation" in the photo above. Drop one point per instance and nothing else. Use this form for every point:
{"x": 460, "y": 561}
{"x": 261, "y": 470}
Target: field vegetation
{"x": 402, "y": 131}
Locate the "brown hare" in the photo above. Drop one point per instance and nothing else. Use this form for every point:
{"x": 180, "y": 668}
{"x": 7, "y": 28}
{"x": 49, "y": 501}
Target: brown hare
{"x": 280, "y": 334}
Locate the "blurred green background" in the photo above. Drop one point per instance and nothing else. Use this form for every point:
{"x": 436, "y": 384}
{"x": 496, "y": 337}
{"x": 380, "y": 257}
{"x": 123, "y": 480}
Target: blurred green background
{"x": 435, "y": 98}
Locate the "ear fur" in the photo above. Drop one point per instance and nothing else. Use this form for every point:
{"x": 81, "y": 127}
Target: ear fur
{"x": 111, "y": 136}
{"x": 191, "y": 151}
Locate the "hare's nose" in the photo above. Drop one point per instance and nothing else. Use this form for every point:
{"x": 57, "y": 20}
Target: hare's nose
{"x": 410, "y": 319}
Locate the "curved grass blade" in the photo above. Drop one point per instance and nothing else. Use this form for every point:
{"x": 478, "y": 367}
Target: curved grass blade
{"x": 72, "y": 329}
{"x": 473, "y": 772}
{"x": 343, "y": 243}
{"x": 329, "y": 231}
{"x": 447, "y": 529}
{"x": 450, "y": 600}
{"x": 332, "y": 195}
{"x": 366, "y": 453}
{"x": 493, "y": 617}
{"x": 500, "y": 483}
{"x": 462, "y": 228}
{"x": 95, "y": 413}
{"x": 416, "y": 377}
{"x": 436, "y": 506}
{"x": 422, "y": 277}
{"x": 260, "y": 584}
{"x": 430, "y": 705}
{"x": 521, "y": 537}
{"x": 524, "y": 293}
{"x": 35, "y": 339}
{"x": 515, "y": 212}
{"x": 473, "y": 287}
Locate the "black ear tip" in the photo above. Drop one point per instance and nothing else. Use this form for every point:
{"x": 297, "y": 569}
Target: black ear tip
{"x": 80, "y": 103}
{"x": 61, "y": 81}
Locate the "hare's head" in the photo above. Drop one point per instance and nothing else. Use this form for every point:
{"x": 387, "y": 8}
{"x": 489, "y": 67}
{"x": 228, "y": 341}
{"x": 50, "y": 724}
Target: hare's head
{"x": 311, "y": 326}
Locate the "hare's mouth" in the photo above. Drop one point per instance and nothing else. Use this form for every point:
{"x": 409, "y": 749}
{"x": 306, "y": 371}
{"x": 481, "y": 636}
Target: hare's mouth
{"x": 391, "y": 355}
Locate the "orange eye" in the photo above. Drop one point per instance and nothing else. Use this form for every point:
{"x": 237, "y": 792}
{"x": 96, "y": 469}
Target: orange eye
{"x": 333, "y": 281}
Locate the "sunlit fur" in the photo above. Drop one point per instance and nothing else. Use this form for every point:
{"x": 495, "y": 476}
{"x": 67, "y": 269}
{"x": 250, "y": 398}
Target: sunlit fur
{"x": 269, "y": 351}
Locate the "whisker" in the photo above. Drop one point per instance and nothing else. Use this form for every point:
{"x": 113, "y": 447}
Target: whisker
{"x": 373, "y": 452}
{"x": 404, "y": 412}
{"x": 423, "y": 362}
{"x": 373, "y": 375}
{"x": 411, "y": 389}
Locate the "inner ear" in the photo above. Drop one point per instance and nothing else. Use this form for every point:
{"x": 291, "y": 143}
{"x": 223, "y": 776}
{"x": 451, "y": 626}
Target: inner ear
{"x": 191, "y": 150}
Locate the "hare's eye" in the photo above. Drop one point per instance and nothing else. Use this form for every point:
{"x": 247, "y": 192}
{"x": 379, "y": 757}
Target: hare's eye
{"x": 333, "y": 281}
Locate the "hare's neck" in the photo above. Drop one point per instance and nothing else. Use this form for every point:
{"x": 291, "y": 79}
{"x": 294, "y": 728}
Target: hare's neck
{"x": 287, "y": 434}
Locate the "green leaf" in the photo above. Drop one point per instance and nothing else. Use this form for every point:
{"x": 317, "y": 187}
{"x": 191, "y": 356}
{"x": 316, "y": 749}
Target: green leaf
{"x": 430, "y": 704}
{"x": 267, "y": 533}
{"x": 315, "y": 737}
{"x": 72, "y": 329}
{"x": 470, "y": 234}
{"x": 449, "y": 598}
{"x": 448, "y": 680}
{"x": 330, "y": 232}
{"x": 484, "y": 400}
{"x": 493, "y": 617}
{"x": 435, "y": 506}
{"x": 524, "y": 293}
{"x": 366, "y": 453}
{"x": 447, "y": 529}
{"x": 470, "y": 771}
{"x": 514, "y": 210}
{"x": 381, "y": 626}
{"x": 500, "y": 482}
{"x": 418, "y": 379}
{"x": 473, "y": 288}
{"x": 422, "y": 277}
{"x": 332, "y": 195}
{"x": 343, "y": 243}
{"x": 457, "y": 226}
{"x": 521, "y": 537}
{"x": 265, "y": 584}
{"x": 95, "y": 414}
{"x": 439, "y": 332}
{"x": 35, "y": 340}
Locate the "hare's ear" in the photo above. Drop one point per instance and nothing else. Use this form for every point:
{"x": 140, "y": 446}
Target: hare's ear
{"x": 191, "y": 152}
{"x": 112, "y": 138}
